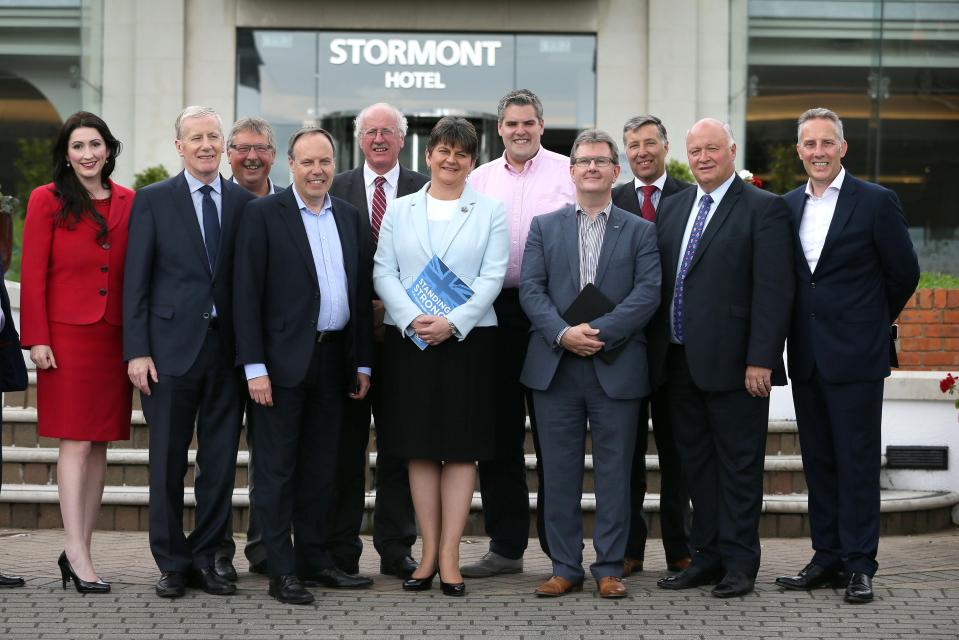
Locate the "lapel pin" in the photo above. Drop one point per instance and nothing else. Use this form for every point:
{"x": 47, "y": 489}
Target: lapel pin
{"x": 463, "y": 209}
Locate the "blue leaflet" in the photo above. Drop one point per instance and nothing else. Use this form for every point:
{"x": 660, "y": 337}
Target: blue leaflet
{"x": 437, "y": 291}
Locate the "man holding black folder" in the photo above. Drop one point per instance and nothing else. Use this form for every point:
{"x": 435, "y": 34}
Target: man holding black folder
{"x": 589, "y": 284}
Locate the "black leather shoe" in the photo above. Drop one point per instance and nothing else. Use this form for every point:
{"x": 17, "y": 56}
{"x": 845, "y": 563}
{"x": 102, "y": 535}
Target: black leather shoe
{"x": 812, "y": 576}
{"x": 289, "y": 590}
{"x": 456, "y": 589}
{"x": 8, "y": 582}
{"x": 172, "y": 584}
{"x": 733, "y": 584}
{"x": 208, "y": 580}
{"x": 418, "y": 584}
{"x": 335, "y": 579}
{"x": 859, "y": 589}
{"x": 225, "y": 569}
{"x": 258, "y": 567}
{"x": 399, "y": 567}
{"x": 692, "y": 577}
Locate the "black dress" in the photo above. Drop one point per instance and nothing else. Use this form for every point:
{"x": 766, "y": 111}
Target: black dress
{"x": 439, "y": 403}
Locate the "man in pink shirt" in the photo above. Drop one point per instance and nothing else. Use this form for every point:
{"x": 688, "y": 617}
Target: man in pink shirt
{"x": 530, "y": 181}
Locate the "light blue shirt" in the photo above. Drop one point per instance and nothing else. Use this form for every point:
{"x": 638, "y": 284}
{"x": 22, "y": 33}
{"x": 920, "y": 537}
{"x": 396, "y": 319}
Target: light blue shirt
{"x": 327, "y": 253}
{"x": 717, "y": 196}
{"x": 197, "y": 197}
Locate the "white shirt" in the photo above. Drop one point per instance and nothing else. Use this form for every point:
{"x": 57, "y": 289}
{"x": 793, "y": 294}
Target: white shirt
{"x": 717, "y": 196}
{"x": 389, "y": 187}
{"x": 659, "y": 183}
{"x": 816, "y": 218}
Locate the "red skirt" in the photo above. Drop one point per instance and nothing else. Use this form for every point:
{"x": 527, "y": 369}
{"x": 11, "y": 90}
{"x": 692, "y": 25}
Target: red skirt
{"x": 88, "y": 396}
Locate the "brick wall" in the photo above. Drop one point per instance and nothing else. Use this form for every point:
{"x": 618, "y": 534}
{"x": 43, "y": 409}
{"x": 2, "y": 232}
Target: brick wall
{"x": 929, "y": 331}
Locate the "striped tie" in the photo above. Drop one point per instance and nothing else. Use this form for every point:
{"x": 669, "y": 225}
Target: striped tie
{"x": 379, "y": 207}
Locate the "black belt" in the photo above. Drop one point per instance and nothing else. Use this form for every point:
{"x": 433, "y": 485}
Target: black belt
{"x": 329, "y": 336}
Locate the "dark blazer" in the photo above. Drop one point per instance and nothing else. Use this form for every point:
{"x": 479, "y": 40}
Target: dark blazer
{"x": 276, "y": 188}
{"x": 865, "y": 275}
{"x": 278, "y": 291}
{"x": 627, "y": 273}
{"x": 738, "y": 291}
{"x": 624, "y": 195}
{"x": 350, "y": 186}
{"x": 13, "y": 371}
{"x": 168, "y": 289}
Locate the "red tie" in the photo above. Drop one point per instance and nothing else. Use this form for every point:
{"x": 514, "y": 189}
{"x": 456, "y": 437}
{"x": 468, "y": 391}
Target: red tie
{"x": 649, "y": 211}
{"x": 379, "y": 207}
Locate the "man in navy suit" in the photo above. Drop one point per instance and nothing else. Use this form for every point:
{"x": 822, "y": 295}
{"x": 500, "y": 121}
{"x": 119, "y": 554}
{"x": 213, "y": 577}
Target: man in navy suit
{"x": 304, "y": 338}
{"x": 726, "y": 250}
{"x": 381, "y": 131}
{"x": 251, "y": 152}
{"x": 593, "y": 371}
{"x": 646, "y": 147}
{"x": 13, "y": 377}
{"x": 855, "y": 269}
{"x": 178, "y": 341}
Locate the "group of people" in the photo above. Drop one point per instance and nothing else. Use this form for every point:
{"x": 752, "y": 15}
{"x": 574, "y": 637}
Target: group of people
{"x": 585, "y": 304}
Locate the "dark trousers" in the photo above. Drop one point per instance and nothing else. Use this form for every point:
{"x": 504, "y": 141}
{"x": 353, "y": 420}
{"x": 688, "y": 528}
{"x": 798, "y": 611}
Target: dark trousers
{"x": 503, "y": 479}
{"x": 207, "y": 395}
{"x": 722, "y": 444}
{"x": 254, "y": 551}
{"x": 297, "y": 444}
{"x": 674, "y": 514}
{"x": 839, "y": 433}
{"x": 394, "y": 526}
{"x": 575, "y": 396}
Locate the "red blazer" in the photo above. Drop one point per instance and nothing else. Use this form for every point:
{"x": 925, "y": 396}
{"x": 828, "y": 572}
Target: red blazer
{"x": 66, "y": 274}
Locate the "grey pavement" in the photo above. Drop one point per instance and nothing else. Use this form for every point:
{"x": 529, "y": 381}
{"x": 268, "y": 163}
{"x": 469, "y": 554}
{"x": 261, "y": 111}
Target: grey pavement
{"x": 917, "y": 593}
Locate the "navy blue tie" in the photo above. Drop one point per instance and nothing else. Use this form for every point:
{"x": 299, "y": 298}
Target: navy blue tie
{"x": 211, "y": 225}
{"x": 699, "y": 223}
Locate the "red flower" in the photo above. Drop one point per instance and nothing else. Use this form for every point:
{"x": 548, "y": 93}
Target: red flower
{"x": 948, "y": 384}
{"x": 757, "y": 182}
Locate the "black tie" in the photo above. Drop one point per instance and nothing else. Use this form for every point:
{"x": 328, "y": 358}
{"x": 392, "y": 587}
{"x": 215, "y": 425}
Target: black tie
{"x": 211, "y": 225}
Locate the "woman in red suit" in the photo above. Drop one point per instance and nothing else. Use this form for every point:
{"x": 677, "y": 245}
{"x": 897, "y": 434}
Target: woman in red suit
{"x": 74, "y": 245}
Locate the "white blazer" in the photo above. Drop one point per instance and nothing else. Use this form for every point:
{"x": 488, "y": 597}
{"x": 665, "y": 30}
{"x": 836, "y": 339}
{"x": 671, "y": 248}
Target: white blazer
{"x": 475, "y": 246}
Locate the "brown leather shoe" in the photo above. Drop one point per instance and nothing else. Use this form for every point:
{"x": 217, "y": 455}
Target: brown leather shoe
{"x": 557, "y": 586}
{"x": 612, "y": 587}
{"x": 631, "y": 565}
{"x": 679, "y": 565}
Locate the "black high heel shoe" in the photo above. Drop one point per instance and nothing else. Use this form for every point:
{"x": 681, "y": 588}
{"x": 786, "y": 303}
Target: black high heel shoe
{"x": 419, "y": 584}
{"x": 456, "y": 589}
{"x": 82, "y": 586}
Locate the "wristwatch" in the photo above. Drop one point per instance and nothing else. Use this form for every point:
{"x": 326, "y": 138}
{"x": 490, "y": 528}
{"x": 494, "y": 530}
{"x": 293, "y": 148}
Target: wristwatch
{"x": 452, "y": 326}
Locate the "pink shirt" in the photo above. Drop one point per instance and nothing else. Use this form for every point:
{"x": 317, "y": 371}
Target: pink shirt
{"x": 544, "y": 185}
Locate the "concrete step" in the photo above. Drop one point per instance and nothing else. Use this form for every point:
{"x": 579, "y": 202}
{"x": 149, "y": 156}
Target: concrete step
{"x": 129, "y": 467}
{"x": 125, "y": 508}
{"x": 20, "y": 429}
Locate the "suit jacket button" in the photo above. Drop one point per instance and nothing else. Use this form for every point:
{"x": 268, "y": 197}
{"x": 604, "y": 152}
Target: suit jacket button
{"x": 812, "y": 284}
{"x": 206, "y": 316}
{"x": 103, "y": 292}
{"x": 812, "y": 315}
{"x": 104, "y": 269}
{"x": 105, "y": 245}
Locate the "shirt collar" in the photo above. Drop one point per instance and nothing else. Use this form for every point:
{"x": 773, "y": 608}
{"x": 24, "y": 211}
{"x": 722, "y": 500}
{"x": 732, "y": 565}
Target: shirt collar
{"x": 604, "y": 212}
{"x": 835, "y": 184}
{"x": 327, "y": 203}
{"x": 269, "y": 184}
{"x": 717, "y": 193}
{"x": 526, "y": 167}
{"x": 195, "y": 184}
{"x": 659, "y": 182}
{"x": 392, "y": 176}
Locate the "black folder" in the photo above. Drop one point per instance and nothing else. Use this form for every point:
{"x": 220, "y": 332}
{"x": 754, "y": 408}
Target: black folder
{"x": 590, "y": 304}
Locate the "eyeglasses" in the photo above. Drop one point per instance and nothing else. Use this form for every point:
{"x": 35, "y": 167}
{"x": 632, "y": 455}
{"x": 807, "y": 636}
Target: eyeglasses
{"x": 245, "y": 148}
{"x": 386, "y": 133}
{"x": 601, "y": 161}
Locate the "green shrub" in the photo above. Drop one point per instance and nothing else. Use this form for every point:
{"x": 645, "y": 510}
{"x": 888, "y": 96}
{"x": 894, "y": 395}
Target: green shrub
{"x": 33, "y": 166}
{"x": 679, "y": 171}
{"x": 933, "y": 280}
{"x": 149, "y": 176}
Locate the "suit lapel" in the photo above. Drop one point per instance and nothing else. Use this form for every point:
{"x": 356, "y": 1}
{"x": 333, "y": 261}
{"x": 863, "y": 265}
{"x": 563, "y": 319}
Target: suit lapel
{"x": 674, "y": 226}
{"x": 719, "y": 217}
{"x": 358, "y": 191}
{"x": 227, "y": 218}
{"x": 183, "y": 205}
{"x": 118, "y": 201}
{"x": 420, "y": 224}
{"x": 845, "y": 205}
{"x": 467, "y": 202}
{"x": 796, "y": 202}
{"x": 346, "y": 229}
{"x": 614, "y": 228}
{"x": 404, "y": 184}
{"x": 571, "y": 240}
{"x": 294, "y": 223}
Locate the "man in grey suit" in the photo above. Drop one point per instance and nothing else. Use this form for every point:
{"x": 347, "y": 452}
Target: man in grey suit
{"x": 593, "y": 371}
{"x": 380, "y": 129}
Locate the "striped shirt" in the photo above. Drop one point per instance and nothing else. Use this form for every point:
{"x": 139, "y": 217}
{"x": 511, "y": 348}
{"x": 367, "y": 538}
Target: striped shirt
{"x": 591, "y": 234}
